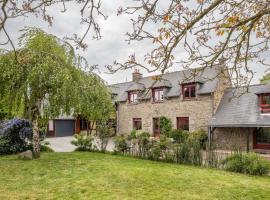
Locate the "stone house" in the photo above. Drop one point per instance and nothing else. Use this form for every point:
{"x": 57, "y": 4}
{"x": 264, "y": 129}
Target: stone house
{"x": 196, "y": 99}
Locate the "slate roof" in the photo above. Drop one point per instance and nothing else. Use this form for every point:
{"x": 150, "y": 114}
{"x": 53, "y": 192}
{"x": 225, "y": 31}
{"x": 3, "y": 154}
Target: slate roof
{"x": 241, "y": 109}
{"x": 206, "y": 77}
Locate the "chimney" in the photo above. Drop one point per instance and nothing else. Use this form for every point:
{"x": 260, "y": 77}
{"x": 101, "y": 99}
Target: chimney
{"x": 136, "y": 75}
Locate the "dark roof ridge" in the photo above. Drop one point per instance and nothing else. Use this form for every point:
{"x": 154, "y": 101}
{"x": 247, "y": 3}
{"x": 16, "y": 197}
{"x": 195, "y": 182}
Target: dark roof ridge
{"x": 149, "y": 76}
{"x": 257, "y": 84}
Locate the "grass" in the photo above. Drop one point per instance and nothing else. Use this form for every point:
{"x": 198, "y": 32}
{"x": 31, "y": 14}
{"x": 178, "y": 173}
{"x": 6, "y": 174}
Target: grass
{"x": 84, "y": 175}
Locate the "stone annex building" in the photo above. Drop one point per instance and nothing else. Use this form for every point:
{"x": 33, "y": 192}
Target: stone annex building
{"x": 196, "y": 99}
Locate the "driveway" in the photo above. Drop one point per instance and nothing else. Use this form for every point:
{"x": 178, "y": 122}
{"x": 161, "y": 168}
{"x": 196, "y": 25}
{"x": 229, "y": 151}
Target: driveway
{"x": 63, "y": 144}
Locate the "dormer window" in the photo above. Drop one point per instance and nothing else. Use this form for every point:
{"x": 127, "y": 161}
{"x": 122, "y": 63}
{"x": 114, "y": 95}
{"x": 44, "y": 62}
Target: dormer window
{"x": 264, "y": 103}
{"x": 189, "y": 91}
{"x": 158, "y": 94}
{"x": 133, "y": 97}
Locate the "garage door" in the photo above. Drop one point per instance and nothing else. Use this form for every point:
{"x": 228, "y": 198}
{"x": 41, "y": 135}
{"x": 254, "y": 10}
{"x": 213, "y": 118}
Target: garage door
{"x": 64, "y": 128}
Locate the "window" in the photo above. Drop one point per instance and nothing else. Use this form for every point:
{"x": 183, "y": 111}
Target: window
{"x": 137, "y": 123}
{"x": 158, "y": 94}
{"x": 183, "y": 123}
{"x": 133, "y": 97}
{"x": 83, "y": 124}
{"x": 189, "y": 91}
{"x": 263, "y": 136}
{"x": 265, "y": 103}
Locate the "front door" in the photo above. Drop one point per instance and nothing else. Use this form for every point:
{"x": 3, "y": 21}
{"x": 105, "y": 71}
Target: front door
{"x": 156, "y": 127}
{"x": 262, "y": 138}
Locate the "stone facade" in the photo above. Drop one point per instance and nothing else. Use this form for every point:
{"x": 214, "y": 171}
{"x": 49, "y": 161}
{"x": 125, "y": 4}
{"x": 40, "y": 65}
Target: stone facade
{"x": 233, "y": 138}
{"x": 198, "y": 110}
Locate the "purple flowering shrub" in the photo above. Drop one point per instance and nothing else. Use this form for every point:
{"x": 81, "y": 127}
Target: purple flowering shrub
{"x": 14, "y": 136}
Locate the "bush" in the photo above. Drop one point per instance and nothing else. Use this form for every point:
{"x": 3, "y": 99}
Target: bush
{"x": 15, "y": 135}
{"x": 247, "y": 163}
{"x": 120, "y": 143}
{"x": 104, "y": 131}
{"x": 179, "y": 136}
{"x": 165, "y": 126}
{"x": 189, "y": 152}
{"x": 144, "y": 144}
{"x": 161, "y": 149}
{"x": 45, "y": 148}
{"x": 83, "y": 142}
{"x": 133, "y": 134}
{"x": 200, "y": 136}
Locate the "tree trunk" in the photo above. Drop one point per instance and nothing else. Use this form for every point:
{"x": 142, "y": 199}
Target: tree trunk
{"x": 87, "y": 131}
{"x": 36, "y": 141}
{"x": 92, "y": 126}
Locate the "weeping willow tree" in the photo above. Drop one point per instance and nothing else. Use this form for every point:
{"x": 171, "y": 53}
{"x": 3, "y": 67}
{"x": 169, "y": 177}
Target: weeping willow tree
{"x": 45, "y": 81}
{"x": 94, "y": 100}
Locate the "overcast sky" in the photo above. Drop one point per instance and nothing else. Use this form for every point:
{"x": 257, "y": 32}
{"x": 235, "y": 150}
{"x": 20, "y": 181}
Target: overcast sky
{"x": 111, "y": 47}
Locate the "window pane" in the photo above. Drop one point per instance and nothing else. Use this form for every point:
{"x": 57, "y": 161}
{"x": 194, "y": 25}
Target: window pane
{"x": 186, "y": 92}
{"x": 133, "y": 97}
{"x": 183, "y": 123}
{"x": 263, "y": 135}
{"x": 83, "y": 124}
{"x": 161, "y": 94}
{"x": 137, "y": 123}
{"x": 158, "y": 94}
{"x": 266, "y": 99}
{"x": 193, "y": 94}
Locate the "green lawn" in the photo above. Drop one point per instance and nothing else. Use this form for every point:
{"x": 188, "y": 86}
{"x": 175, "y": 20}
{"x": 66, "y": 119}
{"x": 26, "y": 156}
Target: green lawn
{"x": 99, "y": 176}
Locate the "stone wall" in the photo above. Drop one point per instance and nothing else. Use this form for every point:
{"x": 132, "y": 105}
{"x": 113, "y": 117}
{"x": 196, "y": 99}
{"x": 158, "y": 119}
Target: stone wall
{"x": 232, "y": 138}
{"x": 198, "y": 110}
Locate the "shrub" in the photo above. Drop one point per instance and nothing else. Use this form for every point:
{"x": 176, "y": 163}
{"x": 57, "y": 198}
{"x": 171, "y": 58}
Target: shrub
{"x": 165, "y": 126}
{"x": 45, "y": 148}
{"x": 200, "y": 136}
{"x": 120, "y": 143}
{"x": 104, "y": 131}
{"x": 247, "y": 163}
{"x": 179, "y": 136}
{"x": 133, "y": 134}
{"x": 15, "y": 135}
{"x": 155, "y": 151}
{"x": 83, "y": 142}
{"x": 144, "y": 143}
{"x": 161, "y": 149}
{"x": 189, "y": 152}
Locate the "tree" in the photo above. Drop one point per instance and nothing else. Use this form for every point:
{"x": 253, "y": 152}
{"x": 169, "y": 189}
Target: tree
{"x": 94, "y": 99}
{"x": 265, "y": 78}
{"x": 43, "y": 81}
{"x": 205, "y": 30}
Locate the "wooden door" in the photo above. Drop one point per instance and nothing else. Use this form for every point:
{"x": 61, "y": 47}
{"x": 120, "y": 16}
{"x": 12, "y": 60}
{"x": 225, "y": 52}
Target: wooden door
{"x": 156, "y": 127}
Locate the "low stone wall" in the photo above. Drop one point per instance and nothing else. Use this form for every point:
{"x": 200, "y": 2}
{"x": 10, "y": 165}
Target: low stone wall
{"x": 233, "y": 138}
